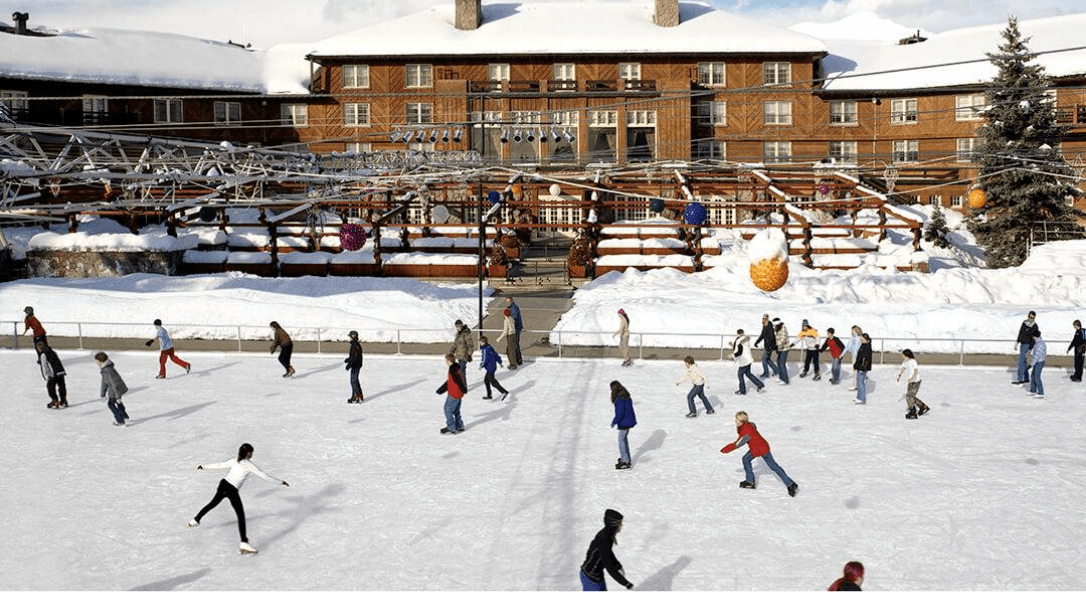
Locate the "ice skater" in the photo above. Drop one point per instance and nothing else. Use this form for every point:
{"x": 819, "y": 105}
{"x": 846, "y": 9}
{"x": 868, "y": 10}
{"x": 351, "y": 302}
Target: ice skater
{"x": 768, "y": 340}
{"x": 518, "y": 326}
{"x": 286, "y": 348}
{"x": 783, "y": 345}
{"x": 837, "y": 352}
{"x": 52, "y": 370}
{"x": 756, "y": 447}
{"x": 456, "y": 388}
{"x": 31, "y": 323}
{"x": 808, "y": 338}
{"x": 852, "y": 579}
{"x": 1040, "y": 354}
{"x": 1078, "y": 344}
{"x": 624, "y": 420}
{"x": 113, "y": 388}
{"x": 489, "y": 363}
{"x": 862, "y": 366}
{"x": 462, "y": 346}
{"x": 853, "y": 348}
{"x": 230, "y": 487}
{"x": 910, "y": 368}
{"x": 1026, "y": 333}
{"x": 699, "y": 381}
{"x": 165, "y": 346}
{"x": 509, "y": 331}
{"x": 601, "y": 556}
{"x": 353, "y": 365}
{"x": 623, "y": 333}
{"x": 743, "y": 360}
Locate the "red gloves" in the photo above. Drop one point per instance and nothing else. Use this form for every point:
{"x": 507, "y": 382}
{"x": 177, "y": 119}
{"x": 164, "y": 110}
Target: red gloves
{"x": 728, "y": 448}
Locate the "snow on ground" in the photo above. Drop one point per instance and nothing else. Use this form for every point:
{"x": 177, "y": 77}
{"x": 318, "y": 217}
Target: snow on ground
{"x": 984, "y": 493}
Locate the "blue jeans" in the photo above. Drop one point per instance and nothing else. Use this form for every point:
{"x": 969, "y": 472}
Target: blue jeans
{"x": 835, "y": 369}
{"x": 356, "y": 387}
{"x": 748, "y": 458}
{"x": 782, "y": 366}
{"x": 1035, "y": 385}
{"x": 767, "y": 363}
{"x": 623, "y": 444}
{"x": 1023, "y": 351}
{"x": 587, "y": 584}
{"x": 745, "y": 371}
{"x": 861, "y": 386}
{"x": 117, "y": 408}
{"x": 464, "y": 370}
{"x": 453, "y": 421}
{"x": 697, "y": 391}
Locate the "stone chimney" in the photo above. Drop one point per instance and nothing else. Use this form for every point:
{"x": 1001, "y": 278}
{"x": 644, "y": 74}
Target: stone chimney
{"x": 667, "y": 13}
{"x": 469, "y": 14}
{"x": 20, "y": 19}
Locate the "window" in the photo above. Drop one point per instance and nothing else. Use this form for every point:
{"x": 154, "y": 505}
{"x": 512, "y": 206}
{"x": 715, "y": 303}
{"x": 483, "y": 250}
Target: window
{"x": 778, "y": 151}
{"x": 295, "y": 114}
{"x": 167, "y": 110}
{"x": 497, "y": 72}
{"x": 640, "y": 118}
{"x": 967, "y": 149}
{"x": 356, "y": 114}
{"x": 969, "y": 107}
{"x": 356, "y": 76}
{"x": 843, "y": 152}
{"x": 906, "y": 151}
{"x": 843, "y": 113}
{"x": 957, "y": 201}
{"x": 358, "y": 147}
{"x": 714, "y": 113}
{"x": 565, "y": 72}
{"x": 603, "y": 118}
{"x": 776, "y": 73}
{"x": 711, "y": 73}
{"x": 420, "y": 75}
{"x": 712, "y": 150}
{"x": 778, "y": 112}
{"x": 420, "y": 113}
{"x": 629, "y": 71}
{"x": 903, "y": 111}
{"x": 227, "y": 112}
{"x": 565, "y": 118}
{"x": 95, "y": 109}
{"x": 15, "y": 99}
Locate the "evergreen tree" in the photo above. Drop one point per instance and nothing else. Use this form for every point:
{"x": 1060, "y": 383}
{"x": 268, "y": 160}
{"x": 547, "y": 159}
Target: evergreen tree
{"x": 1021, "y": 165}
{"x": 937, "y": 229}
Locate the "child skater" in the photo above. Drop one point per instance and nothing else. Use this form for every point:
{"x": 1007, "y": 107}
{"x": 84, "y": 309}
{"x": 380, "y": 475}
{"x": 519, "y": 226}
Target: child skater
{"x": 694, "y": 375}
{"x": 490, "y": 362}
{"x": 852, "y": 579}
{"x": 113, "y": 387}
{"x": 230, "y": 486}
{"x": 286, "y": 348}
{"x": 756, "y": 446}
{"x": 353, "y": 364}
{"x": 911, "y": 370}
{"x": 456, "y": 388}
{"x": 52, "y": 370}
{"x": 624, "y": 420}
{"x": 601, "y": 556}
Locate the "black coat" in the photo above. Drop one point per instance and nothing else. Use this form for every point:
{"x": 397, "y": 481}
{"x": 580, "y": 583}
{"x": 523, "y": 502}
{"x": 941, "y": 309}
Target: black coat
{"x": 354, "y": 358}
{"x": 601, "y": 556}
{"x": 768, "y": 337}
{"x": 52, "y": 367}
{"x": 1027, "y": 332}
{"x": 863, "y": 358}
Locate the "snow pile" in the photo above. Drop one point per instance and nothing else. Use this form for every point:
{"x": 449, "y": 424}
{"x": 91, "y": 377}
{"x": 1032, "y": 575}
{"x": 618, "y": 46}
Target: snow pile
{"x": 768, "y": 245}
{"x": 83, "y": 241}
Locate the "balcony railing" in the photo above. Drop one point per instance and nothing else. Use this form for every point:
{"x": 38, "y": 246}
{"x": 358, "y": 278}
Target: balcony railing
{"x": 601, "y": 86}
{"x": 640, "y": 85}
{"x": 562, "y": 85}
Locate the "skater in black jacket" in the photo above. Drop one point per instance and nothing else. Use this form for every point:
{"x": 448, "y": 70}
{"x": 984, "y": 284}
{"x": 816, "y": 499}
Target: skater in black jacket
{"x": 1078, "y": 343}
{"x": 354, "y": 365}
{"x": 768, "y": 340}
{"x": 601, "y": 556}
{"x": 53, "y": 373}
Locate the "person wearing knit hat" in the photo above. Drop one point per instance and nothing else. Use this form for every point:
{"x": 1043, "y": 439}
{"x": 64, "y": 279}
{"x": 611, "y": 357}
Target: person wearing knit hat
{"x": 601, "y": 556}
{"x": 353, "y": 364}
{"x": 509, "y": 330}
{"x": 31, "y": 323}
{"x": 808, "y": 338}
{"x": 623, "y": 333}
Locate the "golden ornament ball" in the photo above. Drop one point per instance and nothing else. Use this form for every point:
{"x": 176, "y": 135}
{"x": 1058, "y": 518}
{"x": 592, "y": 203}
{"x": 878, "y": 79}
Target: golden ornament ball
{"x": 518, "y": 191}
{"x": 769, "y": 274}
{"x": 977, "y": 198}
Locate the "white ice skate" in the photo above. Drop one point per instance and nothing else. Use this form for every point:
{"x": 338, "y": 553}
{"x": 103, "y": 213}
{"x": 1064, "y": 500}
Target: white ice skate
{"x": 193, "y": 523}
{"x": 247, "y": 548}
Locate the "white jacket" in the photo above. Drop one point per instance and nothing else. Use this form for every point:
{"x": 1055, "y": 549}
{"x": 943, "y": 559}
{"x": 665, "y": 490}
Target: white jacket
{"x": 240, "y": 471}
{"x": 741, "y": 351}
{"x": 694, "y": 375}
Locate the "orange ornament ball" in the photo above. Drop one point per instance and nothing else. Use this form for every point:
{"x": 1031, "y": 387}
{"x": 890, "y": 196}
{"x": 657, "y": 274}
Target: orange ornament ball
{"x": 518, "y": 191}
{"x": 977, "y": 198}
{"x": 769, "y": 275}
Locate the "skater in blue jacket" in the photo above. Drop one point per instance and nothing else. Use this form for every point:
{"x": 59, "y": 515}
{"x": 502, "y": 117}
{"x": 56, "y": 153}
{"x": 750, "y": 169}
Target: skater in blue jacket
{"x": 490, "y": 362}
{"x": 624, "y": 420}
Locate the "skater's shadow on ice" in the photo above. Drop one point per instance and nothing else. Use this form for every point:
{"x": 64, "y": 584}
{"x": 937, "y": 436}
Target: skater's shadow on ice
{"x": 175, "y": 414}
{"x": 665, "y": 578}
{"x": 317, "y": 370}
{"x": 399, "y": 387}
{"x": 174, "y": 582}
{"x": 502, "y": 413}
{"x": 306, "y": 506}
{"x": 208, "y": 371}
{"x": 655, "y": 442}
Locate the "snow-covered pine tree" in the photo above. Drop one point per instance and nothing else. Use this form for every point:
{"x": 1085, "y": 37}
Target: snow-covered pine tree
{"x": 937, "y": 228}
{"x": 1021, "y": 165}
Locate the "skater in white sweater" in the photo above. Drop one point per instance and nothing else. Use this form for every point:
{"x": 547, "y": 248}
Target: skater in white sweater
{"x": 229, "y": 486}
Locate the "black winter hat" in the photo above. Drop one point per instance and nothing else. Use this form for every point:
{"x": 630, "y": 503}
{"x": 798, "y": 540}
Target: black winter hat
{"x": 611, "y": 517}
{"x": 29, "y": 310}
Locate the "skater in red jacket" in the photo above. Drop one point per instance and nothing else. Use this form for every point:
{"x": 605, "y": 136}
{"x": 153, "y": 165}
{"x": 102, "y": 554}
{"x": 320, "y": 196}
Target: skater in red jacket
{"x": 756, "y": 446}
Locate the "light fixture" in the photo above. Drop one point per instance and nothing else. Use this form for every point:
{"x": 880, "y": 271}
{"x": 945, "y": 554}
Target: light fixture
{"x": 396, "y": 136}
{"x": 433, "y": 136}
{"x": 530, "y": 136}
{"x": 458, "y": 135}
{"x": 542, "y": 136}
{"x": 505, "y": 136}
{"x": 569, "y": 137}
{"x": 554, "y": 134}
{"x": 408, "y": 135}
{"x": 445, "y": 136}
{"x": 517, "y": 136}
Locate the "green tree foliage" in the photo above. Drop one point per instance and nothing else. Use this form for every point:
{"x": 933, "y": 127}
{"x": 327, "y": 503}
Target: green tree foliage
{"x": 937, "y": 229}
{"x": 1022, "y": 169}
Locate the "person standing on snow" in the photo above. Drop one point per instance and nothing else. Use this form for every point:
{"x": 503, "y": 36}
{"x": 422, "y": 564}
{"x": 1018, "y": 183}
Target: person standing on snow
{"x": 862, "y": 366}
{"x": 698, "y": 380}
{"x": 165, "y": 345}
{"x": 1026, "y": 333}
{"x": 518, "y": 325}
{"x": 509, "y": 330}
{"x": 783, "y": 341}
{"x": 52, "y": 370}
{"x": 286, "y": 348}
{"x": 853, "y": 348}
{"x": 456, "y": 388}
{"x": 1078, "y": 343}
{"x": 462, "y": 346}
{"x": 837, "y": 351}
{"x": 808, "y": 338}
{"x": 601, "y": 556}
{"x": 353, "y": 364}
{"x": 743, "y": 359}
{"x": 230, "y": 487}
{"x": 113, "y": 387}
{"x": 756, "y": 447}
{"x": 768, "y": 340}
{"x": 489, "y": 363}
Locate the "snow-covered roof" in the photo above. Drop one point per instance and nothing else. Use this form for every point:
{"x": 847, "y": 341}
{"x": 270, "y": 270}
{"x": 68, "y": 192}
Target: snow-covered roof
{"x": 884, "y": 65}
{"x": 146, "y": 58}
{"x": 558, "y": 28}
{"x": 863, "y": 25}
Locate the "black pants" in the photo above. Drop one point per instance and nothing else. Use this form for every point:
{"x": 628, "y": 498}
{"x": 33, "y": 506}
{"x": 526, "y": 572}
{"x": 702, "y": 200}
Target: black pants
{"x": 1078, "y": 366}
{"x": 284, "y": 355}
{"x": 490, "y": 380}
{"x": 811, "y": 357}
{"x": 56, "y": 385}
{"x": 229, "y": 492}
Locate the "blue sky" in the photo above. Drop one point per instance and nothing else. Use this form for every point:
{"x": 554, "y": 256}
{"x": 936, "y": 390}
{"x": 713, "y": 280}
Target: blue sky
{"x": 267, "y": 22}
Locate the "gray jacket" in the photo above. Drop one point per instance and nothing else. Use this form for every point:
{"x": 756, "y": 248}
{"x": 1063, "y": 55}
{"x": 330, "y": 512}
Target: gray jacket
{"x": 463, "y": 345}
{"x": 112, "y": 383}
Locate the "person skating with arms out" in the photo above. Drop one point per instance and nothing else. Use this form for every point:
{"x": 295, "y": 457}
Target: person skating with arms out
{"x": 230, "y": 487}
{"x": 743, "y": 359}
{"x": 699, "y": 382}
{"x": 601, "y": 556}
{"x": 165, "y": 346}
{"x": 756, "y": 447}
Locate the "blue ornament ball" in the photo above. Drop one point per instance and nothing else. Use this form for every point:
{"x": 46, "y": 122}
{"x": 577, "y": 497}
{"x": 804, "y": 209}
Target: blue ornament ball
{"x": 352, "y": 237}
{"x": 656, "y": 205}
{"x": 694, "y": 214}
{"x": 494, "y": 197}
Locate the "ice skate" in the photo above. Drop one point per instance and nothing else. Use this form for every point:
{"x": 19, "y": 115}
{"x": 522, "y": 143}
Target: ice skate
{"x": 188, "y": 368}
{"x": 924, "y": 409}
{"x": 747, "y": 485}
{"x": 193, "y": 523}
{"x": 692, "y": 414}
{"x": 53, "y": 405}
{"x": 911, "y": 414}
{"x": 247, "y": 548}
{"x": 622, "y": 465}
{"x": 710, "y": 412}
{"x": 161, "y": 376}
{"x": 488, "y": 397}
{"x": 792, "y": 489}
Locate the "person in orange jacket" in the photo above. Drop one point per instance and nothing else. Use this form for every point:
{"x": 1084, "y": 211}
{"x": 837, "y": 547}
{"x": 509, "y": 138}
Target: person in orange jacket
{"x": 756, "y": 446}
